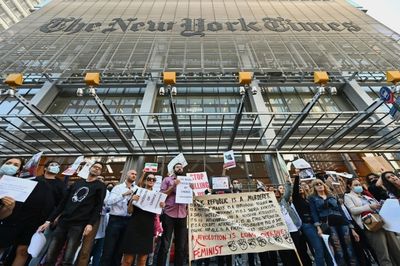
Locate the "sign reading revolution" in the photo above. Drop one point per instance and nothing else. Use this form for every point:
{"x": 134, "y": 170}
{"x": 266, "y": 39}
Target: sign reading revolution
{"x": 235, "y": 224}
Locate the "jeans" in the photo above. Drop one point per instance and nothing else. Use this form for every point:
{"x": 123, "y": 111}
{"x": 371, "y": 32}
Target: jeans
{"x": 63, "y": 233}
{"x": 341, "y": 241}
{"x": 111, "y": 249}
{"x": 178, "y": 227}
{"x": 315, "y": 241}
{"x": 97, "y": 251}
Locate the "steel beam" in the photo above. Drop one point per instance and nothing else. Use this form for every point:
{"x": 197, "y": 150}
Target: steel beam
{"x": 110, "y": 119}
{"x": 353, "y": 124}
{"x": 238, "y": 118}
{"x": 299, "y": 119}
{"x": 175, "y": 121}
{"x": 50, "y": 124}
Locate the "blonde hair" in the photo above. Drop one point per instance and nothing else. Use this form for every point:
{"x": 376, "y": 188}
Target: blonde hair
{"x": 328, "y": 192}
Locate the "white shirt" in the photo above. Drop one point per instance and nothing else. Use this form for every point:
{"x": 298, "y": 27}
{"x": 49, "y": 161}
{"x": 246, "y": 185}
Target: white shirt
{"x": 119, "y": 204}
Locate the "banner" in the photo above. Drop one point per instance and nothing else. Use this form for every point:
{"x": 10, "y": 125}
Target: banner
{"x": 184, "y": 193}
{"x": 72, "y": 169}
{"x": 150, "y": 167}
{"x": 229, "y": 160}
{"x": 178, "y": 159}
{"x": 31, "y": 166}
{"x": 200, "y": 183}
{"x": 239, "y": 223}
{"x": 149, "y": 200}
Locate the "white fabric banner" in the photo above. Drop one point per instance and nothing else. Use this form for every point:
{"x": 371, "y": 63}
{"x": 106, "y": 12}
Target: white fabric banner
{"x": 239, "y": 223}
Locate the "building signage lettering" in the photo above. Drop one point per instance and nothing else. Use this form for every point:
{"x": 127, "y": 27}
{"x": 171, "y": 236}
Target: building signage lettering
{"x": 194, "y": 27}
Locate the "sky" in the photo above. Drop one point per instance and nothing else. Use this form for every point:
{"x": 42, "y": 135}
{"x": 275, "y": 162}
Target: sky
{"x": 385, "y": 11}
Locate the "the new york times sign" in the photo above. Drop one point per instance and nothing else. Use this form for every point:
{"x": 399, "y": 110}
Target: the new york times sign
{"x": 194, "y": 27}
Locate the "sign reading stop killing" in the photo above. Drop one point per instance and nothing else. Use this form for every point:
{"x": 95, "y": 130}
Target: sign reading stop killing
{"x": 235, "y": 224}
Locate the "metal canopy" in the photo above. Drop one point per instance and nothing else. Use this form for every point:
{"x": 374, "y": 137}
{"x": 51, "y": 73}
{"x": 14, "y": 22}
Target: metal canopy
{"x": 201, "y": 133}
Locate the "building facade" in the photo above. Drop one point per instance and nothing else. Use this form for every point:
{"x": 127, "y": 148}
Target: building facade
{"x": 127, "y": 121}
{"x": 13, "y": 11}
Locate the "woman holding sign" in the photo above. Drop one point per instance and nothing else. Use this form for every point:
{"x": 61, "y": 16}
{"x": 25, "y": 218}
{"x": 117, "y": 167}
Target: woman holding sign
{"x": 139, "y": 233}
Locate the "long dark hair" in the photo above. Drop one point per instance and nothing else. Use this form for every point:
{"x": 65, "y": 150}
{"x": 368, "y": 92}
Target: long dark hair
{"x": 389, "y": 186}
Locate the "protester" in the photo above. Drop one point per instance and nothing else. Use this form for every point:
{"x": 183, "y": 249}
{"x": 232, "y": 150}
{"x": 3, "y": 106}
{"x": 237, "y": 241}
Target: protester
{"x": 117, "y": 201}
{"x": 391, "y": 182}
{"x": 360, "y": 205}
{"x": 329, "y": 219}
{"x": 58, "y": 190}
{"x": 138, "y": 237}
{"x": 302, "y": 205}
{"x": 173, "y": 220}
{"x": 378, "y": 192}
{"x": 17, "y": 229}
{"x": 79, "y": 211}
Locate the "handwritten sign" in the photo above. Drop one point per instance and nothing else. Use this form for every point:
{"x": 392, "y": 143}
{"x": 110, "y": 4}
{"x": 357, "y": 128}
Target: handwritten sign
{"x": 184, "y": 193}
{"x": 150, "y": 167}
{"x": 200, "y": 182}
{"x": 236, "y": 224}
{"x": 149, "y": 200}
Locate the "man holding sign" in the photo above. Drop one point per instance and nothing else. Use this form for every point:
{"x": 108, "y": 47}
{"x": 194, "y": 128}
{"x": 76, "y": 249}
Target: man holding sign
{"x": 173, "y": 219}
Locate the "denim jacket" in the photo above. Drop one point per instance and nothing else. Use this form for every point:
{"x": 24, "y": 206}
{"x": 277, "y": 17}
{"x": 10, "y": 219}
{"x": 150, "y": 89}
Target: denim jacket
{"x": 321, "y": 209}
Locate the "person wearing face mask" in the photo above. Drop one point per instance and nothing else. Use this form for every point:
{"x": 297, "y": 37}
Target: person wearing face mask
{"x": 236, "y": 186}
{"x": 173, "y": 220}
{"x": 360, "y": 205}
{"x": 378, "y": 192}
{"x": 57, "y": 189}
{"x": 18, "y": 228}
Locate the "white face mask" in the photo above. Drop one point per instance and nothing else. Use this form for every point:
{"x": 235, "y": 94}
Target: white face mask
{"x": 54, "y": 169}
{"x": 8, "y": 169}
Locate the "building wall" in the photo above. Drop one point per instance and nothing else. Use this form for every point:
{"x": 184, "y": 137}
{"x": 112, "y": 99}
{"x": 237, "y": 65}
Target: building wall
{"x": 13, "y": 11}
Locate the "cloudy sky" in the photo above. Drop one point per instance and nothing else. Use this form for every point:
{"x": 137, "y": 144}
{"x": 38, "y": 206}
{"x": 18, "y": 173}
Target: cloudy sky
{"x": 385, "y": 11}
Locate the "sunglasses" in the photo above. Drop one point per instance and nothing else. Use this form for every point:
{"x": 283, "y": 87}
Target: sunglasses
{"x": 319, "y": 184}
{"x": 151, "y": 179}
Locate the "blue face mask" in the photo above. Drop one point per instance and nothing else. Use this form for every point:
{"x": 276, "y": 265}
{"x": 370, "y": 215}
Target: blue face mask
{"x": 54, "y": 169}
{"x": 8, "y": 169}
{"x": 358, "y": 189}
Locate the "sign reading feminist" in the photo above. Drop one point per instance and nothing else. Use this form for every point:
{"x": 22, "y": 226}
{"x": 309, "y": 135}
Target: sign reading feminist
{"x": 235, "y": 224}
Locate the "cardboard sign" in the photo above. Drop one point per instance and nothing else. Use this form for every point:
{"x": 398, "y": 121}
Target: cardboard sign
{"x": 220, "y": 182}
{"x": 72, "y": 169}
{"x": 150, "y": 167}
{"x": 229, "y": 160}
{"x": 237, "y": 223}
{"x": 200, "y": 182}
{"x": 178, "y": 159}
{"x": 184, "y": 193}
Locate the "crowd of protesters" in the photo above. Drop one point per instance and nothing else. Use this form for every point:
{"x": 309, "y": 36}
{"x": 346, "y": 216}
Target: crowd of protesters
{"x": 91, "y": 221}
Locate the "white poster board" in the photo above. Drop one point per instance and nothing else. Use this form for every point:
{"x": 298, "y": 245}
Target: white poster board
{"x": 72, "y": 169}
{"x": 237, "y": 223}
{"x": 199, "y": 182}
{"x": 229, "y": 160}
{"x": 178, "y": 159}
{"x": 390, "y": 213}
{"x": 184, "y": 193}
{"x": 157, "y": 185}
{"x": 84, "y": 172}
{"x": 149, "y": 200}
{"x": 220, "y": 182}
{"x": 17, "y": 188}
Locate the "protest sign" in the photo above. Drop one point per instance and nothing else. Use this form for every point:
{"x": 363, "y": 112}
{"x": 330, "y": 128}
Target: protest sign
{"x": 220, "y": 182}
{"x": 157, "y": 184}
{"x": 390, "y": 213}
{"x": 184, "y": 193}
{"x": 178, "y": 159}
{"x": 229, "y": 160}
{"x": 150, "y": 167}
{"x": 200, "y": 182}
{"x": 301, "y": 164}
{"x": 84, "y": 172}
{"x": 31, "y": 166}
{"x": 235, "y": 224}
{"x": 72, "y": 169}
{"x": 149, "y": 200}
{"x": 17, "y": 188}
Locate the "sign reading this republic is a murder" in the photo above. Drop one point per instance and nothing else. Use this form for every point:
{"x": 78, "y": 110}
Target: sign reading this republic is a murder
{"x": 235, "y": 224}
